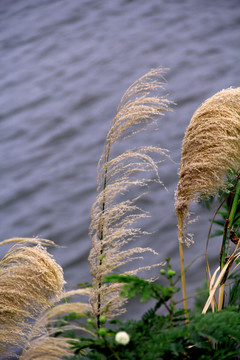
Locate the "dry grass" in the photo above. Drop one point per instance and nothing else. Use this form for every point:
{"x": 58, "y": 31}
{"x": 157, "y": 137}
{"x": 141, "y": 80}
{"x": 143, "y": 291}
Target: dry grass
{"x": 29, "y": 279}
{"x": 41, "y": 343}
{"x": 210, "y": 149}
{"x": 31, "y": 283}
{"x": 113, "y": 219}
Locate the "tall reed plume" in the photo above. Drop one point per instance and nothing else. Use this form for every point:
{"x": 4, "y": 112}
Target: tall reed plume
{"x": 31, "y": 282}
{"x": 113, "y": 219}
{"x": 211, "y": 149}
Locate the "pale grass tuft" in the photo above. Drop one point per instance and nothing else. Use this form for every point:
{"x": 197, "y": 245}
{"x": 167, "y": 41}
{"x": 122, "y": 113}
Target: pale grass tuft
{"x": 211, "y": 148}
{"x": 215, "y": 283}
{"x": 114, "y": 219}
{"x": 41, "y": 343}
{"x": 29, "y": 280}
{"x": 37, "y": 241}
{"x": 47, "y": 348}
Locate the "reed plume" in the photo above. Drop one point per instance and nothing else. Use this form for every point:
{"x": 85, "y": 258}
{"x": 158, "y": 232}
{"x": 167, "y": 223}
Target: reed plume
{"x": 31, "y": 287}
{"x": 42, "y": 343}
{"x": 210, "y": 150}
{"x": 114, "y": 219}
{"x": 29, "y": 279}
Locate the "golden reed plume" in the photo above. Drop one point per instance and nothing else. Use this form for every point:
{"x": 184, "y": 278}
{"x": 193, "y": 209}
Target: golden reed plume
{"x": 29, "y": 279}
{"x": 211, "y": 149}
{"x": 113, "y": 217}
{"x": 31, "y": 283}
{"x": 42, "y": 344}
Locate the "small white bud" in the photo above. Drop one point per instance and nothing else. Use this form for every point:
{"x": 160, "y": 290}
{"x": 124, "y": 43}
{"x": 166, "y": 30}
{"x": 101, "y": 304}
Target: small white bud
{"x": 122, "y": 337}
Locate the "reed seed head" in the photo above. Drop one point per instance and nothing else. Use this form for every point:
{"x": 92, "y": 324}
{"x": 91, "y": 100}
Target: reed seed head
{"x": 42, "y": 344}
{"x": 113, "y": 218}
{"x": 29, "y": 280}
{"x": 210, "y": 150}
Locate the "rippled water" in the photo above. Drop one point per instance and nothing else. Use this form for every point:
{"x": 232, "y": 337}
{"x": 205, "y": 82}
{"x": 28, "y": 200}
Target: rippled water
{"x": 64, "y": 67}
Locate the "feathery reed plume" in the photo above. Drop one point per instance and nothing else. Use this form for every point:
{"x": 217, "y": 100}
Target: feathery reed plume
{"x": 41, "y": 343}
{"x": 112, "y": 217}
{"x": 29, "y": 279}
{"x": 211, "y": 149}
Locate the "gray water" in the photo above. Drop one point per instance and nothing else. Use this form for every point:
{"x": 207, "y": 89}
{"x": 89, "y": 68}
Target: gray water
{"x": 64, "y": 67}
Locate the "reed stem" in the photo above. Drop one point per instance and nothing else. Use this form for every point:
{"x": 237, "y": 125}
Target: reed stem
{"x": 101, "y": 233}
{"x": 235, "y": 204}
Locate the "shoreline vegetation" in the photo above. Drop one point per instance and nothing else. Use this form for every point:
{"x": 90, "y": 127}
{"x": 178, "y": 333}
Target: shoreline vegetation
{"x": 44, "y": 321}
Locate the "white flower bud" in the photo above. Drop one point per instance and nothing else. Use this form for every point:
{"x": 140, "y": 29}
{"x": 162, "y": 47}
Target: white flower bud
{"x": 122, "y": 337}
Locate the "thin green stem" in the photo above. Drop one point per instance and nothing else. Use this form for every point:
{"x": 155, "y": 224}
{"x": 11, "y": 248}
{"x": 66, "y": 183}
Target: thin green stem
{"x": 223, "y": 252}
{"x": 235, "y": 204}
{"x": 208, "y": 238}
{"x": 229, "y": 223}
{"x": 111, "y": 349}
{"x": 225, "y": 243}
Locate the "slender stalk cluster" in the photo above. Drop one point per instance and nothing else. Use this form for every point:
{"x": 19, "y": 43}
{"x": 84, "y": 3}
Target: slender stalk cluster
{"x": 113, "y": 219}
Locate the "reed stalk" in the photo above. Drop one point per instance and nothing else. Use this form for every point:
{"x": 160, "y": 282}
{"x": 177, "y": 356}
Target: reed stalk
{"x": 113, "y": 218}
{"x": 210, "y": 149}
{"x": 235, "y": 203}
{"x": 101, "y": 237}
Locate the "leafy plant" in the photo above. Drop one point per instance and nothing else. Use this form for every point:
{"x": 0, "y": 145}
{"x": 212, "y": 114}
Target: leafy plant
{"x": 154, "y": 336}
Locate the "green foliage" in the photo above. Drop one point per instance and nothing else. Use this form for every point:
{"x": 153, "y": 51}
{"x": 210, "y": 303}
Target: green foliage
{"x": 154, "y": 337}
{"x": 225, "y": 199}
{"x": 234, "y": 292}
{"x": 163, "y": 333}
{"x": 222, "y": 217}
{"x": 201, "y": 297}
{"x": 203, "y": 338}
{"x": 166, "y": 335}
{"x": 136, "y": 286}
{"x": 167, "y": 331}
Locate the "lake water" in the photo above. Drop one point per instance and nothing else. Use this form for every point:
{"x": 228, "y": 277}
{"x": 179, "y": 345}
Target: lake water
{"x": 64, "y": 68}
